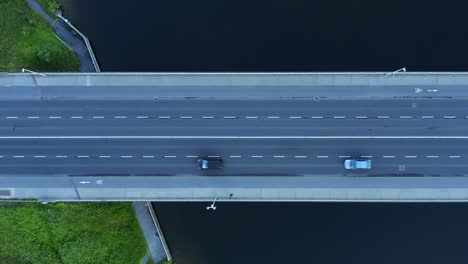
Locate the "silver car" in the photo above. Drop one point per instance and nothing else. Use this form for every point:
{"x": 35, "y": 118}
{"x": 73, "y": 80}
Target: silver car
{"x": 358, "y": 164}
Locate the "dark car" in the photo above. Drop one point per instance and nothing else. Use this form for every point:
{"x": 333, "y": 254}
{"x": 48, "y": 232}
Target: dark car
{"x": 210, "y": 163}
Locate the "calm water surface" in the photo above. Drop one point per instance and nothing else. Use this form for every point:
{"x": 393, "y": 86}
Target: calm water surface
{"x": 325, "y": 35}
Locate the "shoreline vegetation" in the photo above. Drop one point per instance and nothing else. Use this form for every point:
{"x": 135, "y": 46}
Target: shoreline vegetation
{"x": 28, "y": 41}
{"x": 70, "y": 233}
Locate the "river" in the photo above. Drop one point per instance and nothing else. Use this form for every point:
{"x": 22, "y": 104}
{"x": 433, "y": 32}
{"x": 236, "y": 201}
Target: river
{"x": 324, "y": 35}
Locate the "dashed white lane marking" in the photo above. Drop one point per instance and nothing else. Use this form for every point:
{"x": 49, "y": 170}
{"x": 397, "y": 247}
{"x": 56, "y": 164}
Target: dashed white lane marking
{"x": 170, "y": 156}
{"x": 254, "y": 156}
{"x": 427, "y": 117}
{"x": 76, "y": 117}
{"x": 235, "y": 156}
{"x": 39, "y": 156}
{"x": 383, "y": 117}
{"x": 300, "y": 156}
{"x": 142, "y": 117}
{"x": 98, "y": 117}
{"x": 126, "y": 157}
{"x": 1, "y": 157}
{"x": 450, "y": 117}
{"x": 191, "y": 156}
{"x": 208, "y": 117}
{"x": 61, "y": 156}
{"x": 295, "y": 117}
{"x": 411, "y": 156}
{"x": 360, "y": 117}
{"x": 406, "y": 117}
{"x": 164, "y": 117}
{"x": 213, "y": 156}
{"x": 322, "y": 157}
{"x": 273, "y": 117}
{"x": 454, "y": 157}
{"x": 83, "y": 156}
{"x": 104, "y": 156}
{"x": 33, "y": 117}
{"x": 344, "y": 156}
{"x": 18, "y": 156}
{"x": 367, "y": 157}
{"x": 185, "y": 117}
{"x": 316, "y": 117}
{"x": 432, "y": 157}
{"x": 388, "y": 156}
{"x": 278, "y": 156}
{"x": 148, "y": 156}
{"x": 251, "y": 117}
{"x": 11, "y": 117}
{"x": 339, "y": 117}
{"x": 229, "y": 117}
{"x": 120, "y": 117}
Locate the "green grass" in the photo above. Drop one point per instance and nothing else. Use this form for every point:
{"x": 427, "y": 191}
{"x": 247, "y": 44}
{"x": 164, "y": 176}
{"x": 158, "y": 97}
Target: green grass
{"x": 27, "y": 41}
{"x": 70, "y": 233}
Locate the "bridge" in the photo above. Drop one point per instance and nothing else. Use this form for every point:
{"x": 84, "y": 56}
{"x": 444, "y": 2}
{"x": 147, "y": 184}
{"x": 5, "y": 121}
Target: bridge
{"x": 283, "y": 136}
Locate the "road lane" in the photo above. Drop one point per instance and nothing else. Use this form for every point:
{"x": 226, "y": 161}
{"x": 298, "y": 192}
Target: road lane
{"x": 416, "y": 157}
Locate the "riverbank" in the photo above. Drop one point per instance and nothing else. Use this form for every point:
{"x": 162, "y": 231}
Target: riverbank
{"x": 70, "y": 233}
{"x": 27, "y": 41}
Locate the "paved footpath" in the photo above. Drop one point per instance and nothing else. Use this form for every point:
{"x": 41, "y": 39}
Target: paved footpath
{"x": 149, "y": 231}
{"x": 73, "y": 41}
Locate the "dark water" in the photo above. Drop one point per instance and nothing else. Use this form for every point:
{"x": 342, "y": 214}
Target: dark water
{"x": 293, "y": 35}
{"x": 275, "y": 35}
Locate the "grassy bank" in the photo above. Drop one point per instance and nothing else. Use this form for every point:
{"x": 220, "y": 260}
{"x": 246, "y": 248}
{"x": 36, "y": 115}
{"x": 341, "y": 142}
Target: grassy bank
{"x": 70, "y": 233}
{"x": 27, "y": 41}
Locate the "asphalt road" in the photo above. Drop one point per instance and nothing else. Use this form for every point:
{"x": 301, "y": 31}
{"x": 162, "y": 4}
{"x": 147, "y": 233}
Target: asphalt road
{"x": 405, "y": 117}
{"x": 131, "y": 122}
